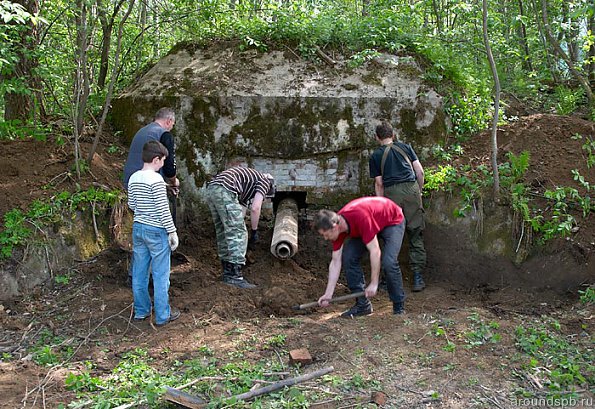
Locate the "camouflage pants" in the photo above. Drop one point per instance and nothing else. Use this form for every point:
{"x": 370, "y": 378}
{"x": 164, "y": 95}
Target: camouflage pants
{"x": 408, "y": 196}
{"x": 228, "y": 217}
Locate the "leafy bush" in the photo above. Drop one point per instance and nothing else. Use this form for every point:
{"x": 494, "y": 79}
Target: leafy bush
{"x": 567, "y": 99}
{"x": 16, "y": 230}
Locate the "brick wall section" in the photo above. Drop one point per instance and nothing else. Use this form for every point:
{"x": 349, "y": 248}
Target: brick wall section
{"x": 316, "y": 176}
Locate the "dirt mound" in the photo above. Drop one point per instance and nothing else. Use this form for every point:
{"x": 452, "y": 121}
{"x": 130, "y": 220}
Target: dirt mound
{"x": 555, "y": 145}
{"x": 34, "y": 170}
{"x": 552, "y": 142}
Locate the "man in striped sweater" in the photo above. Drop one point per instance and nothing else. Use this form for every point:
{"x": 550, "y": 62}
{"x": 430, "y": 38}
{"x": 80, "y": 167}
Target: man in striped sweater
{"x": 228, "y": 194}
{"x": 154, "y": 236}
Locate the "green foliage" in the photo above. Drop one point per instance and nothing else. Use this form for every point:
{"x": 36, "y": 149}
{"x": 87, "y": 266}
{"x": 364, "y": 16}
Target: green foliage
{"x": 589, "y": 147}
{"x": 136, "y": 379}
{"x": 481, "y": 332}
{"x": 440, "y": 178}
{"x": 17, "y": 230}
{"x": 567, "y": 363}
{"x": 567, "y": 99}
{"x": 587, "y": 296}
{"x": 50, "y": 349}
{"x": 62, "y": 279}
{"x": 114, "y": 150}
{"x": 16, "y": 129}
{"x": 469, "y": 113}
{"x": 359, "y": 58}
{"x": 276, "y": 341}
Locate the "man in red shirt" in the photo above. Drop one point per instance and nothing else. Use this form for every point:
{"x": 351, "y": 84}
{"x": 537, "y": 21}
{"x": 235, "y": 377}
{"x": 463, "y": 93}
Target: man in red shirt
{"x": 363, "y": 220}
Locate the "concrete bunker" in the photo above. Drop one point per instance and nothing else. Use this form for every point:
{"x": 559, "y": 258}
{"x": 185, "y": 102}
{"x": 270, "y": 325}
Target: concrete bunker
{"x": 310, "y": 125}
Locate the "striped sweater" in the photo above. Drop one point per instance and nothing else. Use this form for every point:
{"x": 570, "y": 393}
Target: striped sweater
{"x": 245, "y": 182}
{"x": 147, "y": 197}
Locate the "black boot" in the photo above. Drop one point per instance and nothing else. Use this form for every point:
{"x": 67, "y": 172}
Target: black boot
{"x": 418, "y": 282}
{"x": 226, "y": 267}
{"x": 362, "y": 306}
{"x": 398, "y": 308}
{"x": 233, "y": 276}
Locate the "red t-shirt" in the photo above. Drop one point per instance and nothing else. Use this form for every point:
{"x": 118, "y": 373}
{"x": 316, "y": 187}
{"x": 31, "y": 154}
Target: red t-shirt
{"x": 367, "y": 216}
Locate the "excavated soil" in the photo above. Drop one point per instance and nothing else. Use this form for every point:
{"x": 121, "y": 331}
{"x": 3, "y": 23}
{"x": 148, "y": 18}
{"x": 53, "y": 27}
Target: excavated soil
{"x": 93, "y": 311}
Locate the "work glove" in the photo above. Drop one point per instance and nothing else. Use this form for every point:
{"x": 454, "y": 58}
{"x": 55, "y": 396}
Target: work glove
{"x": 172, "y": 239}
{"x": 253, "y": 239}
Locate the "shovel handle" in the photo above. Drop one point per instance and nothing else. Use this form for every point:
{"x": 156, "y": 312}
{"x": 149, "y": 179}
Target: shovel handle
{"x": 332, "y": 300}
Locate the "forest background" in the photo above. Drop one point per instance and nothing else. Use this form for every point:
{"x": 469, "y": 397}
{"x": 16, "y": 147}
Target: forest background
{"x": 62, "y": 62}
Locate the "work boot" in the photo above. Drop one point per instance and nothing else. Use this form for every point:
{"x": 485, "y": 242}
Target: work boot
{"x": 226, "y": 267}
{"x": 233, "y": 276}
{"x": 362, "y": 306}
{"x": 398, "y": 308}
{"x": 418, "y": 282}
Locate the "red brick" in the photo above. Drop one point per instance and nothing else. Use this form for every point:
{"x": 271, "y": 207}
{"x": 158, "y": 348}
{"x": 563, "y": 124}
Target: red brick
{"x": 379, "y": 398}
{"x": 300, "y": 357}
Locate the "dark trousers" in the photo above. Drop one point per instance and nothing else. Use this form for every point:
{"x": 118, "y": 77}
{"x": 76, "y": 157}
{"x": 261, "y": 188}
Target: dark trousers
{"x": 408, "y": 196}
{"x": 354, "y": 249}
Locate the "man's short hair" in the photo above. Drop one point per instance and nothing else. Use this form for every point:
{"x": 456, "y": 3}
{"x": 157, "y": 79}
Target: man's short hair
{"x": 165, "y": 113}
{"x": 325, "y": 220}
{"x": 384, "y": 130}
{"x": 152, "y": 150}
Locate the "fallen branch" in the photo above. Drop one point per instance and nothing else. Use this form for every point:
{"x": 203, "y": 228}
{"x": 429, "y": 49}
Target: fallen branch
{"x": 193, "y": 402}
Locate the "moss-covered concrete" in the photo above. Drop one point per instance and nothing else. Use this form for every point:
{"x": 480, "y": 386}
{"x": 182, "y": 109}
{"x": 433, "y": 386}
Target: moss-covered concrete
{"x": 55, "y": 248}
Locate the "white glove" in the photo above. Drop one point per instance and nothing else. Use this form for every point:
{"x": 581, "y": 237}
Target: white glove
{"x": 172, "y": 238}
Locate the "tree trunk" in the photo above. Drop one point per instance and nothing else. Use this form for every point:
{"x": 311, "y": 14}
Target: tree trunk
{"x": 81, "y": 83}
{"x": 18, "y": 105}
{"x": 106, "y": 29}
{"x": 365, "y": 7}
{"x": 553, "y": 68}
{"x": 527, "y": 64}
{"x": 141, "y": 39}
{"x": 496, "y": 100}
{"x": 114, "y": 76}
{"x": 561, "y": 54}
{"x": 591, "y": 55}
{"x": 107, "y": 26}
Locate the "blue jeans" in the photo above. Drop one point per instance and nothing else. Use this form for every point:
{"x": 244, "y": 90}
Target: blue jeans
{"x": 150, "y": 247}
{"x": 354, "y": 249}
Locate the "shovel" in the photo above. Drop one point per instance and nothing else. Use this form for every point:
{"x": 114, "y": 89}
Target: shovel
{"x": 332, "y": 300}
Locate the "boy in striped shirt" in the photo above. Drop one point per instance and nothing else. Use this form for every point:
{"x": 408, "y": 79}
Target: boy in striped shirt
{"x": 154, "y": 236}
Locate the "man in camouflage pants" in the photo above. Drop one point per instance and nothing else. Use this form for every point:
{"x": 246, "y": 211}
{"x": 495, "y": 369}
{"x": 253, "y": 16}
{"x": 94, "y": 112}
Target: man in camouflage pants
{"x": 228, "y": 194}
{"x": 399, "y": 175}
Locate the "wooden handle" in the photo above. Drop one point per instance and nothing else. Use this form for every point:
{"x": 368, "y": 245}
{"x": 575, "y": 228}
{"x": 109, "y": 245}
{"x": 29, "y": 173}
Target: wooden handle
{"x": 332, "y": 300}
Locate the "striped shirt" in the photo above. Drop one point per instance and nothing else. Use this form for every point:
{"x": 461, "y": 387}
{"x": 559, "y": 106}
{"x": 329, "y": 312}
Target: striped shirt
{"x": 147, "y": 197}
{"x": 245, "y": 182}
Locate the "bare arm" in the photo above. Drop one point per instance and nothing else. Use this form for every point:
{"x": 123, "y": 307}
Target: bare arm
{"x": 419, "y": 174}
{"x": 378, "y": 186}
{"x": 375, "y": 257}
{"x": 255, "y": 210}
{"x": 334, "y": 269}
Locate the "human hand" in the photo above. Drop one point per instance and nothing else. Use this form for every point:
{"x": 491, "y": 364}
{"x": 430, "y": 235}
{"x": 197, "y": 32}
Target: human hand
{"x": 173, "y": 186}
{"x": 173, "y": 241}
{"x": 371, "y": 290}
{"x": 173, "y": 190}
{"x": 253, "y": 239}
{"x": 324, "y": 301}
